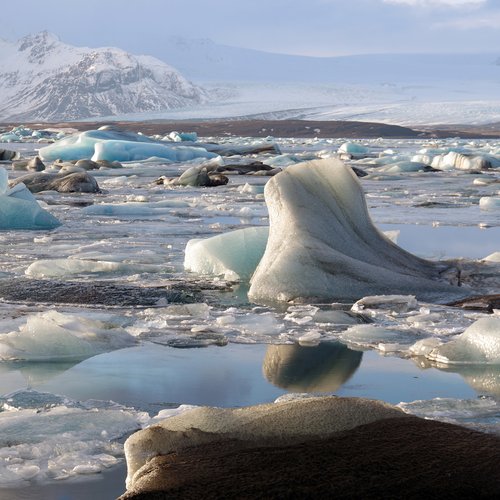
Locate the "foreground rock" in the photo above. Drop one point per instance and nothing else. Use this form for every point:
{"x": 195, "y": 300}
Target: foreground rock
{"x": 312, "y": 448}
{"x": 323, "y": 245}
{"x": 283, "y": 423}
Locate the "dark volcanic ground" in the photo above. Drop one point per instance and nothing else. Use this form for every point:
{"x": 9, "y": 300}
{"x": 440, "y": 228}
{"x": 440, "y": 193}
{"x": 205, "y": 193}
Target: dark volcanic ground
{"x": 284, "y": 128}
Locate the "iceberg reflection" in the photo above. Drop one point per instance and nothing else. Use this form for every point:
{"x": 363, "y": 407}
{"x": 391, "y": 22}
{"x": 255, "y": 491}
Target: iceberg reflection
{"x": 321, "y": 368}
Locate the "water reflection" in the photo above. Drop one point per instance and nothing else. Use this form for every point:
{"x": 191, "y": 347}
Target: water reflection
{"x": 484, "y": 379}
{"x": 321, "y": 368}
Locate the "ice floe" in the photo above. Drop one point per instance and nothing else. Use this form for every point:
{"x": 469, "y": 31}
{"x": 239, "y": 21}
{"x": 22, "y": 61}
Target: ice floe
{"x": 53, "y": 336}
{"x": 63, "y": 439}
{"x": 480, "y": 343}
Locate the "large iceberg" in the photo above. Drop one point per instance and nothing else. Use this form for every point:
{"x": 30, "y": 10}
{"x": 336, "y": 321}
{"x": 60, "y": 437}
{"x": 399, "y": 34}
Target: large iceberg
{"x": 116, "y": 145}
{"x": 19, "y": 209}
{"x": 323, "y": 245}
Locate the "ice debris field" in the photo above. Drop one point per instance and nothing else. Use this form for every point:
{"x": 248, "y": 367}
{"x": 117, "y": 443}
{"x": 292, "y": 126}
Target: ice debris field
{"x": 302, "y": 265}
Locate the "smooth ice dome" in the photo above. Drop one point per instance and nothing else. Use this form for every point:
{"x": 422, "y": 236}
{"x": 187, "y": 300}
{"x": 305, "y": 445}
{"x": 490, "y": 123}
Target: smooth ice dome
{"x": 116, "y": 145}
{"x": 323, "y": 245}
{"x": 19, "y": 209}
{"x": 234, "y": 255}
{"x": 480, "y": 343}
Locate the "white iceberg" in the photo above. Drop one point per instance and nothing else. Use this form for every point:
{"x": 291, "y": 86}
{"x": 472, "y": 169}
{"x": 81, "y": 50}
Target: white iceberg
{"x": 479, "y": 344}
{"x": 53, "y": 336}
{"x": 234, "y": 255}
{"x": 323, "y": 245}
{"x": 489, "y": 203}
{"x": 19, "y": 209}
{"x": 354, "y": 149}
{"x": 459, "y": 161}
{"x": 51, "y": 268}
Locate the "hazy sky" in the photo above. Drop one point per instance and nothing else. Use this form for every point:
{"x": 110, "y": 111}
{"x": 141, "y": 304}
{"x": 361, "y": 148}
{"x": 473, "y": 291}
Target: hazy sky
{"x": 311, "y": 27}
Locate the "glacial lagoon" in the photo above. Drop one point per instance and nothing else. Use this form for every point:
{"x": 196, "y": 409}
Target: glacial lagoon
{"x": 219, "y": 349}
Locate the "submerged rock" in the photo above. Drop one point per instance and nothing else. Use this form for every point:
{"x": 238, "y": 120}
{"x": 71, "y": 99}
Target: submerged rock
{"x": 76, "y": 182}
{"x": 323, "y": 245}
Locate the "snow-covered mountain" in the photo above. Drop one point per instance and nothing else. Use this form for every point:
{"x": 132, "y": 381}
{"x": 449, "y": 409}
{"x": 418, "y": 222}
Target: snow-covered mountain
{"x": 42, "y": 78}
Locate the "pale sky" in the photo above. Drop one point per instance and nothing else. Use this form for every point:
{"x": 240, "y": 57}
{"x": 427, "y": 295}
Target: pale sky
{"x": 308, "y": 27}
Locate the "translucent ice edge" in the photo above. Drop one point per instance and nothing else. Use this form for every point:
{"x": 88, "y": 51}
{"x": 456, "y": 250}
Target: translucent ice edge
{"x": 482, "y": 414}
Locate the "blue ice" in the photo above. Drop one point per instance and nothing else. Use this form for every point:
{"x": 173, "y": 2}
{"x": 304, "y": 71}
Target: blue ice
{"x": 116, "y": 145}
{"x": 19, "y": 208}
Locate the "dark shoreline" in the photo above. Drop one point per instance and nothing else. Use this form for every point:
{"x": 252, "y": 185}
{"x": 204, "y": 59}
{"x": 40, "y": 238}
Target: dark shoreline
{"x": 283, "y": 128}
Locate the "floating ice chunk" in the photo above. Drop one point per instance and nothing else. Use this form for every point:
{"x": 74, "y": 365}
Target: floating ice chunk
{"x": 53, "y": 336}
{"x": 50, "y": 268}
{"x": 493, "y": 257}
{"x": 489, "y": 203}
{"x": 402, "y": 166}
{"x": 234, "y": 255}
{"x": 481, "y": 414}
{"x": 323, "y": 246}
{"x": 264, "y": 324}
{"x": 19, "y": 209}
{"x": 424, "y": 347}
{"x": 460, "y": 161}
{"x": 370, "y": 335}
{"x": 353, "y": 149}
{"x": 480, "y": 343}
{"x": 134, "y": 208}
{"x": 135, "y": 151}
{"x": 63, "y": 440}
{"x": 396, "y": 303}
{"x": 251, "y": 188}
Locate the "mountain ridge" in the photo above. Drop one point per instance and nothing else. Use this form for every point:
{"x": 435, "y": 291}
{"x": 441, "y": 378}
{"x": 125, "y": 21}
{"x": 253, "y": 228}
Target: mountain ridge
{"x": 42, "y": 78}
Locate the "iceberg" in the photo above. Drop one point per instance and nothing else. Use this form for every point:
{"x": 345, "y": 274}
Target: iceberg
{"x": 323, "y": 245}
{"x": 53, "y": 336}
{"x": 51, "y": 268}
{"x": 234, "y": 255}
{"x": 353, "y": 149}
{"x": 479, "y": 344}
{"x": 460, "y": 161}
{"x": 19, "y": 209}
{"x": 489, "y": 203}
{"x": 116, "y": 145}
